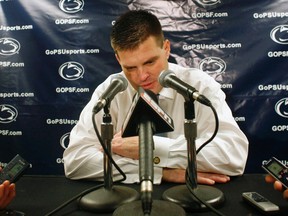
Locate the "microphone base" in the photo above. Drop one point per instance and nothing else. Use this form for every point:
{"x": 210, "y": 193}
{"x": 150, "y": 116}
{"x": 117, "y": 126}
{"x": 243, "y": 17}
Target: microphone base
{"x": 107, "y": 200}
{"x": 159, "y": 208}
{"x": 183, "y": 197}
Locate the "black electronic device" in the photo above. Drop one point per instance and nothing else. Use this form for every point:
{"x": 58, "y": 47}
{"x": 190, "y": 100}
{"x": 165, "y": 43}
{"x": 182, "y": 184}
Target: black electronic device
{"x": 143, "y": 103}
{"x": 10, "y": 212}
{"x": 278, "y": 170}
{"x": 260, "y": 202}
{"x": 14, "y": 169}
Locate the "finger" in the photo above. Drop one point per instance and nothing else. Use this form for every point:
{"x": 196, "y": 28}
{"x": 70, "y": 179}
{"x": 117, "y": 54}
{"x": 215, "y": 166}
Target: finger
{"x": 269, "y": 179}
{"x": 11, "y": 193}
{"x": 3, "y": 195}
{"x": 285, "y": 194}
{"x": 278, "y": 186}
{"x": 117, "y": 135}
{"x": 219, "y": 178}
{"x": 207, "y": 181}
{"x": 1, "y": 191}
{"x": 5, "y": 188}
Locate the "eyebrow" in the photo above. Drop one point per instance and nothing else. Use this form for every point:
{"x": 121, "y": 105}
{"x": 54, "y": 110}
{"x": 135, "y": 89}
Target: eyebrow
{"x": 146, "y": 62}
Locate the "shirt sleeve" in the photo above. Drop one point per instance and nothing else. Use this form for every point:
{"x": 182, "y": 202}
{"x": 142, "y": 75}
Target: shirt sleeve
{"x": 227, "y": 152}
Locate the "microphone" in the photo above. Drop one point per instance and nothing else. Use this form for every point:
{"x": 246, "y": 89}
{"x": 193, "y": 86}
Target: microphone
{"x": 118, "y": 84}
{"x": 146, "y": 173}
{"x": 146, "y": 147}
{"x": 145, "y": 118}
{"x": 168, "y": 78}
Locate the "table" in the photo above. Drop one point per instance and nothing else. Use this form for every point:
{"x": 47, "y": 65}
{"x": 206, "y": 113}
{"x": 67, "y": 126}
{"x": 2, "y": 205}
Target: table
{"x": 39, "y": 195}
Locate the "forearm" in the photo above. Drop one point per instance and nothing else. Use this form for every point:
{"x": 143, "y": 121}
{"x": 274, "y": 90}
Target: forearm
{"x": 83, "y": 162}
{"x": 226, "y": 154}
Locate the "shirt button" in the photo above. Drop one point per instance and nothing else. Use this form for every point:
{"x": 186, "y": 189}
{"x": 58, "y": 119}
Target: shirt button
{"x": 156, "y": 160}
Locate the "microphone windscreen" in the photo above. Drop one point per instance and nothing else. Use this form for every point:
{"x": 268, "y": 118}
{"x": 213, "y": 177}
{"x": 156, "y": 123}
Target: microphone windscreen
{"x": 163, "y": 76}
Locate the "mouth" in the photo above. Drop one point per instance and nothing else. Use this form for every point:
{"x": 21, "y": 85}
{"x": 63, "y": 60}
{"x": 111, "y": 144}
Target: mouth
{"x": 147, "y": 85}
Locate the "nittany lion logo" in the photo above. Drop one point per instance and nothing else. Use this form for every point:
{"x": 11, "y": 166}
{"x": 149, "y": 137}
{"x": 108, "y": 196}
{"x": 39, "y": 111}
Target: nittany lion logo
{"x": 71, "y": 6}
{"x": 212, "y": 65}
{"x": 207, "y": 3}
{"x": 279, "y": 34}
{"x": 9, "y": 46}
{"x": 71, "y": 70}
{"x": 281, "y": 107}
{"x": 8, "y": 113}
{"x": 64, "y": 140}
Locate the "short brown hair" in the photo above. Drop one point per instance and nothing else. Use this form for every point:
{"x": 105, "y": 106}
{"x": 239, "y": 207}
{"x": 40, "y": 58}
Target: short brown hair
{"x": 133, "y": 28}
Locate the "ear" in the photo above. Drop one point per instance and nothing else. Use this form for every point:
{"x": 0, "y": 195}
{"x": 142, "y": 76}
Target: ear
{"x": 167, "y": 47}
{"x": 117, "y": 57}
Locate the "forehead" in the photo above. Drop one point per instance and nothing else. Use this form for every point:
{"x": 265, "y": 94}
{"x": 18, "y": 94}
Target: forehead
{"x": 146, "y": 51}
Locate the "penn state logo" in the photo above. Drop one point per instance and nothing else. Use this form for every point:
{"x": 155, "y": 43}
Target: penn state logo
{"x": 207, "y": 3}
{"x": 279, "y": 34}
{"x": 9, "y": 46}
{"x": 64, "y": 140}
{"x": 71, "y": 70}
{"x": 71, "y": 6}
{"x": 281, "y": 107}
{"x": 212, "y": 65}
{"x": 8, "y": 113}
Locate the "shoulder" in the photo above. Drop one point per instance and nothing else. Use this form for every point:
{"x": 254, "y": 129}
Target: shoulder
{"x": 194, "y": 76}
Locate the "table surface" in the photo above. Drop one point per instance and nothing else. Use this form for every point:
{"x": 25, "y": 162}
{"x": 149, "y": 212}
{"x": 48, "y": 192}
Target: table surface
{"x": 40, "y": 195}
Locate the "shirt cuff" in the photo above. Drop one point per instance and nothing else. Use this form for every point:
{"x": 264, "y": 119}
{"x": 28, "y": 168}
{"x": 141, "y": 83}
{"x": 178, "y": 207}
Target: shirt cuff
{"x": 161, "y": 151}
{"x": 158, "y": 173}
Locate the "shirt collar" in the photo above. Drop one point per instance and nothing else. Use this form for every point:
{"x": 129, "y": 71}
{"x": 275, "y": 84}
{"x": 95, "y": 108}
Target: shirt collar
{"x": 167, "y": 93}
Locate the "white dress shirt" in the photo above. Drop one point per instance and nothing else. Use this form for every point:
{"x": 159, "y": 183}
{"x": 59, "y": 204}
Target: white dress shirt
{"x": 226, "y": 154}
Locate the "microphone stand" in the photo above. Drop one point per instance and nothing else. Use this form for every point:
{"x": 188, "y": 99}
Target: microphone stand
{"x": 147, "y": 207}
{"x": 110, "y": 197}
{"x": 181, "y": 194}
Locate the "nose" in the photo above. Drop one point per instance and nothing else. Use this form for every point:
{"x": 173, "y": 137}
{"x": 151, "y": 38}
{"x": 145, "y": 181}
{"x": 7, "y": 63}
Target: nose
{"x": 143, "y": 73}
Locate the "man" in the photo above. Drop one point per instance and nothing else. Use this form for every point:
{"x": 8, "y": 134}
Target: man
{"x": 143, "y": 52}
{"x": 277, "y": 185}
{"x": 7, "y": 193}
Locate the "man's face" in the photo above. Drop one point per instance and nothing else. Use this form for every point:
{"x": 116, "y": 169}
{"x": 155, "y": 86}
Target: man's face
{"x": 143, "y": 65}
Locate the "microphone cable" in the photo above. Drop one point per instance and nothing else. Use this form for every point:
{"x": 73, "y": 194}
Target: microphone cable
{"x": 106, "y": 150}
{"x": 215, "y": 130}
{"x": 73, "y": 199}
{"x": 188, "y": 184}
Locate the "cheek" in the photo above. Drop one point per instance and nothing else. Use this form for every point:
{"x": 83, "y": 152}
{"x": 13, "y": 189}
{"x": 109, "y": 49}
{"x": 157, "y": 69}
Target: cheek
{"x": 133, "y": 79}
